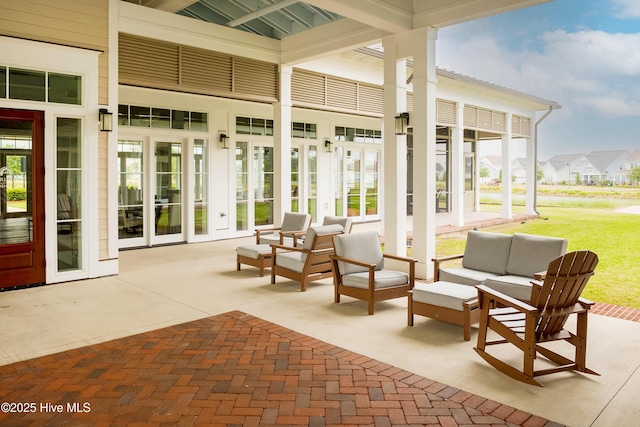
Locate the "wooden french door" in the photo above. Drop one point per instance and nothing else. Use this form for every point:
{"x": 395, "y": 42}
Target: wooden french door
{"x": 22, "y": 229}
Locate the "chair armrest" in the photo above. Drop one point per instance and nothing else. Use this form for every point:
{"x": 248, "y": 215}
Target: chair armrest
{"x": 353, "y": 261}
{"x": 412, "y": 266}
{"x": 485, "y": 292}
{"x": 540, "y": 276}
{"x": 265, "y": 231}
{"x": 295, "y": 235}
{"x": 438, "y": 261}
{"x": 399, "y": 258}
{"x": 275, "y": 247}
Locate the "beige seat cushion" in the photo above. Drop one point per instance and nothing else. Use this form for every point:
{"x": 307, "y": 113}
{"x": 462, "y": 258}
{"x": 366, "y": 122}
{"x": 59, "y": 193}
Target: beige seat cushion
{"x": 253, "y": 251}
{"x": 382, "y": 279}
{"x": 444, "y": 294}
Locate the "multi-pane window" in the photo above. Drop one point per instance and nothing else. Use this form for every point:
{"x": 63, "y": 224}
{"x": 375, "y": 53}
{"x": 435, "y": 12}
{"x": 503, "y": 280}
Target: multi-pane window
{"x": 68, "y": 193}
{"x": 263, "y": 180}
{"x": 42, "y": 86}
{"x": 304, "y": 130}
{"x": 349, "y": 134}
{"x": 165, "y": 118}
{"x": 312, "y": 183}
{"x": 200, "y": 189}
{"x": 254, "y": 126}
{"x": 242, "y": 186}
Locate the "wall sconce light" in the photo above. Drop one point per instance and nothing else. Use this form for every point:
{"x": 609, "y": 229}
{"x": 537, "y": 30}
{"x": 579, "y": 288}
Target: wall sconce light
{"x": 328, "y": 146}
{"x": 402, "y": 121}
{"x": 106, "y": 120}
{"x": 224, "y": 140}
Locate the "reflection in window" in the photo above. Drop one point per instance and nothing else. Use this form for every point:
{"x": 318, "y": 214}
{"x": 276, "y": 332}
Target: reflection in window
{"x": 65, "y": 89}
{"x": 161, "y": 118}
{"x": 263, "y": 185}
{"x": 200, "y": 189}
{"x": 295, "y": 180}
{"x": 68, "y": 193}
{"x": 242, "y": 186}
{"x": 130, "y": 189}
{"x": 312, "y": 191}
{"x": 27, "y": 84}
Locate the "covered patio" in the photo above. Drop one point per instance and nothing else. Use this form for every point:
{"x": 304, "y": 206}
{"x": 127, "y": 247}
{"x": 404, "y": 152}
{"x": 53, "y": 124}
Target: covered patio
{"x": 171, "y": 285}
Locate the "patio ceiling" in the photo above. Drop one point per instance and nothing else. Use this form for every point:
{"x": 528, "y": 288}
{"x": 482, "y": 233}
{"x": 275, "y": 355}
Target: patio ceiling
{"x": 312, "y": 27}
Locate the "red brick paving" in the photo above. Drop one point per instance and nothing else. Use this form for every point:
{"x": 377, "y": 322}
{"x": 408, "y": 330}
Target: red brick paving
{"x": 234, "y": 370}
{"x": 617, "y": 311}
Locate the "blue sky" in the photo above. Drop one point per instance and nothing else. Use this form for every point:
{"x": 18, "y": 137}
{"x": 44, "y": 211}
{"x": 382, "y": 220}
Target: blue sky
{"x": 583, "y": 54}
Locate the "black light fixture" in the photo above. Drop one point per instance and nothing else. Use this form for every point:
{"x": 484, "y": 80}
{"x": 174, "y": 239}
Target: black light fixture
{"x": 402, "y": 121}
{"x": 328, "y": 146}
{"x": 224, "y": 140}
{"x": 106, "y": 120}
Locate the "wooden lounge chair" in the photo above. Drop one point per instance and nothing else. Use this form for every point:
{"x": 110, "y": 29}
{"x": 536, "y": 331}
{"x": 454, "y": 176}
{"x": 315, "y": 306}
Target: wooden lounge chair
{"x": 529, "y": 326}
{"x": 309, "y": 262}
{"x": 358, "y": 270}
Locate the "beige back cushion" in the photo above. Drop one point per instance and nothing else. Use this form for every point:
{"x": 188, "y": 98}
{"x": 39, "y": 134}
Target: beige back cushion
{"x": 364, "y": 246}
{"x": 487, "y": 251}
{"x": 293, "y": 221}
{"x": 532, "y": 254}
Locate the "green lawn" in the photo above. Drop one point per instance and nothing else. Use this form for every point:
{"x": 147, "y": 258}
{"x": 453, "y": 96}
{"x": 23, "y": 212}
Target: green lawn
{"x": 615, "y": 237}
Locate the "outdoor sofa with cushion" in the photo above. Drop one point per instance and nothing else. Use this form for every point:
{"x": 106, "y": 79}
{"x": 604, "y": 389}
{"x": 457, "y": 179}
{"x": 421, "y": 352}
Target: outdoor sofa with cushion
{"x": 506, "y": 263}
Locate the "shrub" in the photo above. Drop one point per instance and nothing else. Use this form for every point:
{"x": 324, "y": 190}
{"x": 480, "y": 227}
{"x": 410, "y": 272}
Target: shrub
{"x": 15, "y": 194}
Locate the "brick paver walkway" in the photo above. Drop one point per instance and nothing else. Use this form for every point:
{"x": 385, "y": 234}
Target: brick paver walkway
{"x": 233, "y": 370}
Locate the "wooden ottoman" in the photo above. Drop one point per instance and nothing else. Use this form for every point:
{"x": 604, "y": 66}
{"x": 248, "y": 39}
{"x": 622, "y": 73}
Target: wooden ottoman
{"x": 447, "y": 302}
{"x": 254, "y": 255}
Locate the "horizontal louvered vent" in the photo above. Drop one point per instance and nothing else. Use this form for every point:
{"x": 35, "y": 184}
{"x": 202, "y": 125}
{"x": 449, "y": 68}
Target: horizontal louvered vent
{"x": 342, "y": 93}
{"x": 409, "y": 101}
{"x": 255, "y": 78}
{"x": 521, "y": 126}
{"x": 446, "y": 112}
{"x": 205, "y": 69}
{"x": 483, "y": 119}
{"x": 161, "y": 65}
{"x": 371, "y": 99}
{"x": 308, "y": 87}
{"x": 149, "y": 60}
{"x": 498, "y": 121}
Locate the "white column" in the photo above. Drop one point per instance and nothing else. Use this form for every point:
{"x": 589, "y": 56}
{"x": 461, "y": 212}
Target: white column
{"x": 507, "y": 210}
{"x": 395, "y": 152}
{"x": 282, "y": 147}
{"x": 532, "y": 177}
{"x": 424, "y": 150}
{"x": 457, "y": 168}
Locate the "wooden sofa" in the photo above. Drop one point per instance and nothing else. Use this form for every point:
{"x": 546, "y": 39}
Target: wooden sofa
{"x": 503, "y": 262}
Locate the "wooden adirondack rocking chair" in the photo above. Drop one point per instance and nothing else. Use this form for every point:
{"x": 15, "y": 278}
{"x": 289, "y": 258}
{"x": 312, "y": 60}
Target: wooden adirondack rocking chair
{"x": 529, "y": 325}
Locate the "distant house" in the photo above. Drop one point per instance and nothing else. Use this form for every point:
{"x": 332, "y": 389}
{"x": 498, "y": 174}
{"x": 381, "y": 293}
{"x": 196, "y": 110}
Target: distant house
{"x": 493, "y": 165}
{"x": 608, "y": 166}
{"x": 562, "y": 168}
{"x": 632, "y": 161}
{"x": 519, "y": 170}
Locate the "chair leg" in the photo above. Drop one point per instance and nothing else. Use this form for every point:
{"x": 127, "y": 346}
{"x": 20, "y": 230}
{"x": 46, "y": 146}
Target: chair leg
{"x": 371, "y": 306}
{"x": 410, "y": 310}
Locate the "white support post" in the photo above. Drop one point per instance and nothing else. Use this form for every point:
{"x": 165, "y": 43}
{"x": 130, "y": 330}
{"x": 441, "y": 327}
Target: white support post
{"x": 424, "y": 150}
{"x": 507, "y": 210}
{"x": 532, "y": 177}
{"x": 457, "y": 168}
{"x": 395, "y": 152}
{"x": 282, "y": 147}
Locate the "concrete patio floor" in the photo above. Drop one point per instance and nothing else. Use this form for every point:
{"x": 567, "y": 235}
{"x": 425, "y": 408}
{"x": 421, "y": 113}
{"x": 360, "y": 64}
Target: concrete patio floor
{"x": 164, "y": 286}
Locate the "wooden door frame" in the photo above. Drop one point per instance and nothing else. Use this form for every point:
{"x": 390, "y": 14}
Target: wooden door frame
{"x": 28, "y": 259}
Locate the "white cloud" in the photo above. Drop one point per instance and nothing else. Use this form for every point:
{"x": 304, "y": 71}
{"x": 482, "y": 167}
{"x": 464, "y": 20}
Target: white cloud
{"x": 574, "y": 68}
{"x": 626, "y": 9}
